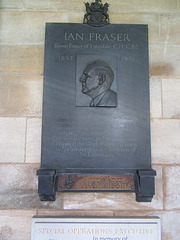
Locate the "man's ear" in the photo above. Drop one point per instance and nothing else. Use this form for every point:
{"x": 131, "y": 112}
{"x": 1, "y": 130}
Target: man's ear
{"x": 102, "y": 79}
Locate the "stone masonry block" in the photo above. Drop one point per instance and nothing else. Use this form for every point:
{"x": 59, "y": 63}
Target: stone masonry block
{"x": 170, "y": 221}
{"x": 165, "y": 141}
{"x": 19, "y": 188}
{"x": 171, "y": 98}
{"x": 18, "y": 176}
{"x": 115, "y": 6}
{"x": 21, "y": 59}
{"x": 15, "y": 224}
{"x": 33, "y": 141}
{"x": 11, "y": 4}
{"x": 12, "y": 139}
{"x": 164, "y": 60}
{"x": 169, "y": 29}
{"x": 27, "y": 27}
{"x": 155, "y": 97}
{"x": 20, "y": 96}
{"x": 172, "y": 175}
{"x": 54, "y": 5}
{"x": 156, "y": 6}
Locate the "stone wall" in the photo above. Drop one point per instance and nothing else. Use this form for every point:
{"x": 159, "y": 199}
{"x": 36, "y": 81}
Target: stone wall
{"x": 21, "y": 75}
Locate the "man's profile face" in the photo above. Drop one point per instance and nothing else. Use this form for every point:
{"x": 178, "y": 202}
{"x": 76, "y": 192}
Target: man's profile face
{"x": 94, "y": 79}
{"x": 89, "y": 80}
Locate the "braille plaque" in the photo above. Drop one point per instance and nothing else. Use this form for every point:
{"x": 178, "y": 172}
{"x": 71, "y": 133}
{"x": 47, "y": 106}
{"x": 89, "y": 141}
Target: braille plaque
{"x": 96, "y": 119}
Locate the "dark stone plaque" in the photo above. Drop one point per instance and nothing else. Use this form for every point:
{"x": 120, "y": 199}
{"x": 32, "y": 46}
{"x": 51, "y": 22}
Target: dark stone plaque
{"x": 96, "y": 121}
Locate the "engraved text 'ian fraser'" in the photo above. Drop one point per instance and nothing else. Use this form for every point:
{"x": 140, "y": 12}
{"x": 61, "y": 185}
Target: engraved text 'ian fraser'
{"x": 119, "y": 37}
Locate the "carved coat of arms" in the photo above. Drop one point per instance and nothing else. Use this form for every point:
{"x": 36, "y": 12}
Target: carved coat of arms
{"x": 96, "y": 14}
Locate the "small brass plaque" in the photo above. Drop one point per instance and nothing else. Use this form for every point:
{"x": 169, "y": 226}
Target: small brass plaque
{"x": 95, "y": 183}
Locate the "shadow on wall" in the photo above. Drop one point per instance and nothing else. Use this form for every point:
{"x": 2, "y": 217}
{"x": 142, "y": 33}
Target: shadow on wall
{"x": 158, "y": 69}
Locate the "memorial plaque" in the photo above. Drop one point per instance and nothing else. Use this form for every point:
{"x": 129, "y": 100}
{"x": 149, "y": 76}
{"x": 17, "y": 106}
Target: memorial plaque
{"x": 96, "y": 119}
{"x": 96, "y": 229}
{"x": 96, "y": 182}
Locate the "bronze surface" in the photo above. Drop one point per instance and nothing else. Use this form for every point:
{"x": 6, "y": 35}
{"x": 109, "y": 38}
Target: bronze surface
{"x": 95, "y": 183}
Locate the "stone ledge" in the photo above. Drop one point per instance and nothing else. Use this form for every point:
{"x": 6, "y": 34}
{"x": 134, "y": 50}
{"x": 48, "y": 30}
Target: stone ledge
{"x": 75, "y": 213}
{"x": 114, "y": 201}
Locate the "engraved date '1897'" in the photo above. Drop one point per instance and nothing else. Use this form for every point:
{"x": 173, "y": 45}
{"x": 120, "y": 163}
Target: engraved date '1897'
{"x": 65, "y": 58}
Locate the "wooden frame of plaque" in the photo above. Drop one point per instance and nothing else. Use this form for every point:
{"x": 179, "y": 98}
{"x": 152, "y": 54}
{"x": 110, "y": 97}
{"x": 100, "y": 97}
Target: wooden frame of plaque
{"x": 96, "y": 117}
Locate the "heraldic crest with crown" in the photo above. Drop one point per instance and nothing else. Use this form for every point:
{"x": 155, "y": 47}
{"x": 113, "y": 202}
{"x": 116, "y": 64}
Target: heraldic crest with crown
{"x": 96, "y": 15}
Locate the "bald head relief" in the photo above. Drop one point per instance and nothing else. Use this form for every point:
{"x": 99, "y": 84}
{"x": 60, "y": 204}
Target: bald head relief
{"x": 97, "y": 78}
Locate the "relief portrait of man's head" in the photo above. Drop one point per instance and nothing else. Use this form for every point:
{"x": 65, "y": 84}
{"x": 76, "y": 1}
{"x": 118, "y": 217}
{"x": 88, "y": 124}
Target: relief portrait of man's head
{"x": 96, "y": 81}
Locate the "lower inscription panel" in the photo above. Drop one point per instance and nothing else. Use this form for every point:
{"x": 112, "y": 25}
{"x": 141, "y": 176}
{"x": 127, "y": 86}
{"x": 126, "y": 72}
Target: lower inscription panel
{"x": 81, "y": 182}
{"x": 96, "y": 229}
